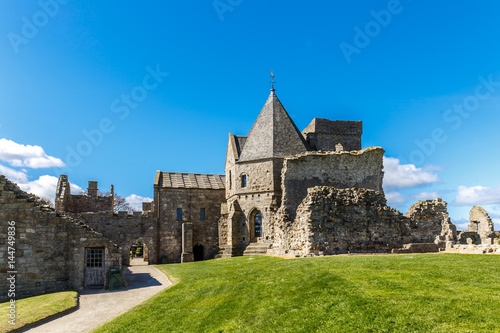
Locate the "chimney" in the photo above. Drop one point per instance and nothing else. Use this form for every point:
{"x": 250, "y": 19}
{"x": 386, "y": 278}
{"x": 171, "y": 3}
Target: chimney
{"x": 92, "y": 189}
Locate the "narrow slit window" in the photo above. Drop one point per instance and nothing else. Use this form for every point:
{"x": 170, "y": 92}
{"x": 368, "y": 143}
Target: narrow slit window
{"x": 244, "y": 181}
{"x": 202, "y": 214}
{"x": 179, "y": 214}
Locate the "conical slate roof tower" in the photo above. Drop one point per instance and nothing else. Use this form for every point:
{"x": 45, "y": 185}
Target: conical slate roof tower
{"x": 273, "y": 135}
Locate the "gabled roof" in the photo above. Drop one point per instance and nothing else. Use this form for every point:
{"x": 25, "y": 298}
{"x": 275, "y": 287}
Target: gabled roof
{"x": 235, "y": 144}
{"x": 240, "y": 143}
{"x": 273, "y": 134}
{"x": 189, "y": 180}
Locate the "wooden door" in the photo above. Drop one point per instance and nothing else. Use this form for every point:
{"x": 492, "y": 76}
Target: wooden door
{"x": 94, "y": 267}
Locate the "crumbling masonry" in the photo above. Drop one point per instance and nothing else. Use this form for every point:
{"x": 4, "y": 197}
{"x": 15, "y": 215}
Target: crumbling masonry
{"x": 284, "y": 192}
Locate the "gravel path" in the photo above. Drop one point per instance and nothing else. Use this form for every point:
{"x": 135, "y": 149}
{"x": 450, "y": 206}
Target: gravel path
{"x": 99, "y": 306}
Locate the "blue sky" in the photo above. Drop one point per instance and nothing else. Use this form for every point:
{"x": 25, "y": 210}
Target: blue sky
{"x": 132, "y": 87}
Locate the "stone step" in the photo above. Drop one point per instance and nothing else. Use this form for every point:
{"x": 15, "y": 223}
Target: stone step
{"x": 254, "y": 249}
{"x": 227, "y": 252}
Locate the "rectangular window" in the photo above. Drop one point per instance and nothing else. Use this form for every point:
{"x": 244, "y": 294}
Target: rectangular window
{"x": 202, "y": 214}
{"x": 179, "y": 214}
{"x": 95, "y": 257}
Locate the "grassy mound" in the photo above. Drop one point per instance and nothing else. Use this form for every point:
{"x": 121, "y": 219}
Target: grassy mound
{"x": 33, "y": 309}
{"x": 397, "y": 293}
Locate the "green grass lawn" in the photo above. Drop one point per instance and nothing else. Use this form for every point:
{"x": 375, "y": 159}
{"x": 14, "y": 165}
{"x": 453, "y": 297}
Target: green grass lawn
{"x": 32, "y": 309}
{"x": 393, "y": 293}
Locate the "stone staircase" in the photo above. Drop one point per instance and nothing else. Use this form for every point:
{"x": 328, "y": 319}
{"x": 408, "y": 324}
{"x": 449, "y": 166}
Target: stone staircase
{"x": 257, "y": 249}
{"x": 227, "y": 252}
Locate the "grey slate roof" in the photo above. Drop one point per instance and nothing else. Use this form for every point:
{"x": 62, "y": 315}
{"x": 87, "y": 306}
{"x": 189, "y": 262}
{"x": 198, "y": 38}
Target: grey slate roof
{"x": 273, "y": 134}
{"x": 240, "y": 143}
{"x": 189, "y": 180}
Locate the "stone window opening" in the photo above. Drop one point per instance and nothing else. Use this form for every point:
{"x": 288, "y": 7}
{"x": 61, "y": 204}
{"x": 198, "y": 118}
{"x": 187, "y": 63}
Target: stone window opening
{"x": 244, "y": 181}
{"x": 202, "y": 214}
{"x": 179, "y": 214}
{"x": 230, "y": 180}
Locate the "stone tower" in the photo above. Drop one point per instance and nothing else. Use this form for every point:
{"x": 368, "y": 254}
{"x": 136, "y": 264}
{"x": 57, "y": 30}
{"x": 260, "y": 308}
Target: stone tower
{"x": 253, "y": 174}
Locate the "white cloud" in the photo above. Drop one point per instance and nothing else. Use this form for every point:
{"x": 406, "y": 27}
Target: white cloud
{"x": 19, "y": 155}
{"x": 135, "y": 201}
{"x": 407, "y": 175}
{"x": 45, "y": 187}
{"x": 13, "y": 175}
{"x": 75, "y": 189}
{"x": 426, "y": 195}
{"x": 395, "y": 198}
{"x": 477, "y": 195}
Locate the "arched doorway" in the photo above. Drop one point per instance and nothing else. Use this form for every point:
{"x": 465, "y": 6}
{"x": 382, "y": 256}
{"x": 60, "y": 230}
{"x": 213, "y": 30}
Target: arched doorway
{"x": 255, "y": 230}
{"x": 138, "y": 253}
{"x": 198, "y": 252}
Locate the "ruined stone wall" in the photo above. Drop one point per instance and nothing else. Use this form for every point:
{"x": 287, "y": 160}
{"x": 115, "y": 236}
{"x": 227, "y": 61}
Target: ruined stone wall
{"x": 167, "y": 200}
{"x": 82, "y": 203}
{"x": 65, "y": 202}
{"x": 423, "y": 217}
{"x": 125, "y": 229}
{"x": 480, "y": 230}
{"x": 362, "y": 169}
{"x": 49, "y": 248}
{"x": 335, "y": 221}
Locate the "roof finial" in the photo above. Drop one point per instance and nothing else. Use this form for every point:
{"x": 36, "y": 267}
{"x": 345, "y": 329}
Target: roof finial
{"x": 272, "y": 81}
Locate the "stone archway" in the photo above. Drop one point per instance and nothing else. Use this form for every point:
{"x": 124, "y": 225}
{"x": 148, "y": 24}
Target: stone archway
{"x": 138, "y": 249}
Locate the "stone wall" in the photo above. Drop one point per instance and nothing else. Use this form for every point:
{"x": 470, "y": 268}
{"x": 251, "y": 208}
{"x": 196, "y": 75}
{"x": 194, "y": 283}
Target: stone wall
{"x": 50, "y": 249}
{"x": 324, "y": 134}
{"x": 125, "y": 229}
{"x": 190, "y": 200}
{"x": 90, "y": 202}
{"x": 480, "y": 230}
{"x": 481, "y": 224}
{"x": 423, "y": 217}
{"x": 82, "y": 203}
{"x": 362, "y": 169}
{"x": 334, "y": 221}
{"x": 261, "y": 176}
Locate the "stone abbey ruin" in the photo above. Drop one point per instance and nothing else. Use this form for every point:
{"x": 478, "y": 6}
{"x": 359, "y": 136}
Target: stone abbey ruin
{"x": 284, "y": 192}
